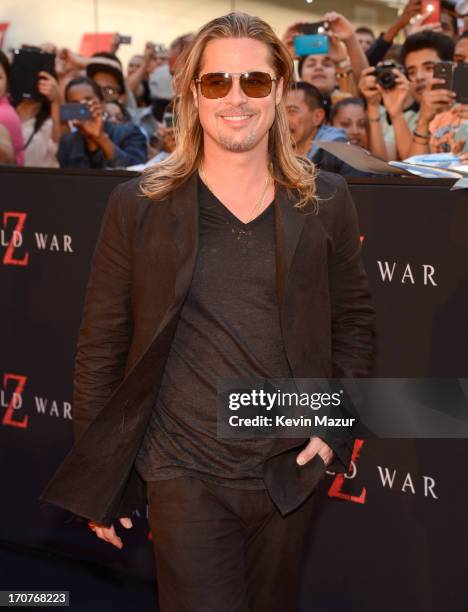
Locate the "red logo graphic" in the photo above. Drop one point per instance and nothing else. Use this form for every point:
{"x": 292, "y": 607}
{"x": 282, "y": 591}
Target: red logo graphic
{"x": 17, "y": 393}
{"x": 336, "y": 488}
{"x": 17, "y": 232}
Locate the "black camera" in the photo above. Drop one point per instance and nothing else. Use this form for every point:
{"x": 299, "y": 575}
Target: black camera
{"x": 385, "y": 75}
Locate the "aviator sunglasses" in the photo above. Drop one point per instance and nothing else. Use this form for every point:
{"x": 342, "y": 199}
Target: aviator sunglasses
{"x": 218, "y": 84}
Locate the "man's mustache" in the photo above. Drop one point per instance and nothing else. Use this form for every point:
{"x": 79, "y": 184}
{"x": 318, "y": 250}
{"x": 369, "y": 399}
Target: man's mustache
{"x": 235, "y": 111}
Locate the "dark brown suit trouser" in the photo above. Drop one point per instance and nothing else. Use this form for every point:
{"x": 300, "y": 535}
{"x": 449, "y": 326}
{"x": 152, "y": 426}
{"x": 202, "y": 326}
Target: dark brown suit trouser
{"x": 219, "y": 548}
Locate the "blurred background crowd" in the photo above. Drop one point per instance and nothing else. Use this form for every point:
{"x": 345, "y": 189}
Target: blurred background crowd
{"x": 397, "y": 93}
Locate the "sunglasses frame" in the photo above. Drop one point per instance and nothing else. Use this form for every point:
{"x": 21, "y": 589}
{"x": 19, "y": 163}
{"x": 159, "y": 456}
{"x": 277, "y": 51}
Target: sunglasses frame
{"x": 235, "y": 74}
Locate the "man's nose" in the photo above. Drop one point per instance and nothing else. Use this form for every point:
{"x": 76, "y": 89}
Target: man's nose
{"x": 420, "y": 75}
{"x": 236, "y": 96}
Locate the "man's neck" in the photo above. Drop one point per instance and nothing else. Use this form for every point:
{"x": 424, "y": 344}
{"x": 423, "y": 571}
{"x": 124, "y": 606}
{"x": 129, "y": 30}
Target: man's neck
{"x": 303, "y": 147}
{"x": 236, "y": 171}
{"x": 238, "y": 178}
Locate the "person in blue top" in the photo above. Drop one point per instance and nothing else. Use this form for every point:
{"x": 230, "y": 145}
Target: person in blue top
{"x": 96, "y": 142}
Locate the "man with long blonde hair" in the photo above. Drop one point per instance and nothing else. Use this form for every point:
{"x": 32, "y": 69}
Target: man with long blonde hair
{"x": 232, "y": 258}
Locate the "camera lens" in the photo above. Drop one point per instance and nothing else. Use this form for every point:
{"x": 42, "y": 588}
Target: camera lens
{"x": 386, "y": 78}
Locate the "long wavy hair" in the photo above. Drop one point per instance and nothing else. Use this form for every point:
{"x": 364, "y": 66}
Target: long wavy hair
{"x": 296, "y": 174}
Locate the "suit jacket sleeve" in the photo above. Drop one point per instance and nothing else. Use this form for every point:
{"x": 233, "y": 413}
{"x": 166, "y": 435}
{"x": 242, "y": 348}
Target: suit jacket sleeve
{"x": 352, "y": 313}
{"x": 106, "y": 328}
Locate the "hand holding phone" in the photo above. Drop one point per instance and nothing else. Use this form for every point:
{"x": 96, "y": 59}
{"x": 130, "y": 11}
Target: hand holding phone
{"x": 87, "y": 116}
{"x": 48, "y": 86}
{"x": 25, "y": 69}
{"x": 94, "y": 126}
{"x": 431, "y": 8}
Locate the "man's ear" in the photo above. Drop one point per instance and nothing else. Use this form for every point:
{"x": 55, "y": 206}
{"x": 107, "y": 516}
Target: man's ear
{"x": 318, "y": 117}
{"x": 279, "y": 90}
{"x": 193, "y": 88}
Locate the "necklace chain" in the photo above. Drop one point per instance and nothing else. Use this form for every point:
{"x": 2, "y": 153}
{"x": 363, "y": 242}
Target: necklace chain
{"x": 257, "y": 208}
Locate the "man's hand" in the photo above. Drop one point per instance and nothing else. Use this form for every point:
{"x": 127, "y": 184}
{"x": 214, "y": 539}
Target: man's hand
{"x": 418, "y": 24}
{"x": 315, "y": 446}
{"x": 412, "y": 8}
{"x": 394, "y": 99}
{"x": 339, "y": 26}
{"x": 115, "y": 44}
{"x": 108, "y": 533}
{"x": 48, "y": 86}
{"x": 368, "y": 87}
{"x": 148, "y": 52}
{"x": 68, "y": 61}
{"x": 434, "y": 101}
{"x": 288, "y": 37}
{"x": 92, "y": 128}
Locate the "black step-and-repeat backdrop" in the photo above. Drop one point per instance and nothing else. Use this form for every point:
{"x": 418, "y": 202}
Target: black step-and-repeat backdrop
{"x": 392, "y": 534}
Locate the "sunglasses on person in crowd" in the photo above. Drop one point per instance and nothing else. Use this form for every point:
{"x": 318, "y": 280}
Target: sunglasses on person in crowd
{"x": 218, "y": 84}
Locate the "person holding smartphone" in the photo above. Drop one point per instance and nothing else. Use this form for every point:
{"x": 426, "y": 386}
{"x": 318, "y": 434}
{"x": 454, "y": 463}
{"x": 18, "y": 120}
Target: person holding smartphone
{"x": 40, "y": 122}
{"x": 96, "y": 142}
{"x": 138, "y": 93}
{"x": 334, "y": 73}
{"x": 449, "y": 130}
{"x": 420, "y": 54}
{"x": 12, "y": 136}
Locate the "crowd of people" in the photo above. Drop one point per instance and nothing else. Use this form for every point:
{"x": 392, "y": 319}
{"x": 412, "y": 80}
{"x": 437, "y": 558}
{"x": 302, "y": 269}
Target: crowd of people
{"x": 370, "y": 91}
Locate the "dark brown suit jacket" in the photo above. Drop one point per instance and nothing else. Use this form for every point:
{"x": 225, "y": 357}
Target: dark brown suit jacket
{"x": 141, "y": 272}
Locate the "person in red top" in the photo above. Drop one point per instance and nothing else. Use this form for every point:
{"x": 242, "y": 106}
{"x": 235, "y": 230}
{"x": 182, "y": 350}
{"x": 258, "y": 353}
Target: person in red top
{"x": 8, "y": 116}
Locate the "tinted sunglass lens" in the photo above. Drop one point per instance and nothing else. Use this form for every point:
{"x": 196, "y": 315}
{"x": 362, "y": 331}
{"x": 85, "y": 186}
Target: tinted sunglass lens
{"x": 256, "y": 84}
{"x": 215, "y": 85}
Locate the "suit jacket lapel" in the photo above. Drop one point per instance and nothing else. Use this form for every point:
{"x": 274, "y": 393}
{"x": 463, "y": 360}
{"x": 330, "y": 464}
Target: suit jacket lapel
{"x": 184, "y": 206}
{"x": 289, "y": 222}
{"x": 176, "y": 227}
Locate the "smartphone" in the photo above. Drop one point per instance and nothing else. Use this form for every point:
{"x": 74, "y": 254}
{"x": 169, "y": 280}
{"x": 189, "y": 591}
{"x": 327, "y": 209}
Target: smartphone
{"x": 69, "y": 112}
{"x": 444, "y": 70}
{"x": 125, "y": 40}
{"x": 432, "y": 7}
{"x": 318, "y": 27}
{"x": 311, "y": 44}
{"x": 460, "y": 82}
{"x": 27, "y": 63}
{"x": 168, "y": 120}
